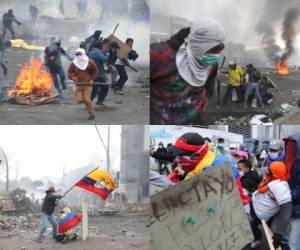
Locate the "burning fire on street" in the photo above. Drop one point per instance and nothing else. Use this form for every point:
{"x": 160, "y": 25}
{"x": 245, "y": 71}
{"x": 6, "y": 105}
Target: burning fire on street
{"x": 282, "y": 67}
{"x": 33, "y": 86}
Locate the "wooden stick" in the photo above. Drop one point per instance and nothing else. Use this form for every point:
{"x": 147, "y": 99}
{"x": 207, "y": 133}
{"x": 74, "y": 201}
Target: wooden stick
{"x": 89, "y": 84}
{"x": 77, "y": 182}
{"x": 116, "y": 28}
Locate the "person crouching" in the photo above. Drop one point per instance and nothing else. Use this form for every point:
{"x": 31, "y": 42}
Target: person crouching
{"x": 83, "y": 71}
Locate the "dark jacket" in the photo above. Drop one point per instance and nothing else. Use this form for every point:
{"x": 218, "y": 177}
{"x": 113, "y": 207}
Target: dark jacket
{"x": 50, "y": 203}
{"x": 8, "y": 19}
{"x": 112, "y": 56}
{"x": 99, "y": 59}
{"x": 254, "y": 75}
{"x": 164, "y": 156}
{"x": 90, "y": 42}
{"x": 53, "y": 55}
{"x": 250, "y": 181}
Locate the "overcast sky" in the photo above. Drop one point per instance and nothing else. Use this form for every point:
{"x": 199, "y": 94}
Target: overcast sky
{"x": 41, "y": 151}
{"x": 239, "y": 18}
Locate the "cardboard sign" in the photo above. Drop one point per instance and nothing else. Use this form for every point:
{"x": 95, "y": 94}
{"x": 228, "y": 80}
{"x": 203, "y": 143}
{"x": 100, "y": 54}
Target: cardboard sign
{"x": 202, "y": 213}
{"x": 124, "y": 48}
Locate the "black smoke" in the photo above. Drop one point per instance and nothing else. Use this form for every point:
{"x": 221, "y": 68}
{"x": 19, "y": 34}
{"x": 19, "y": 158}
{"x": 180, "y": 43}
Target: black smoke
{"x": 274, "y": 11}
{"x": 289, "y": 31}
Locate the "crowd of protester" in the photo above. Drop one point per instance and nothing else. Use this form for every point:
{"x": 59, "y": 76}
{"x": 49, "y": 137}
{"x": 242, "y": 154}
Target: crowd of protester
{"x": 267, "y": 177}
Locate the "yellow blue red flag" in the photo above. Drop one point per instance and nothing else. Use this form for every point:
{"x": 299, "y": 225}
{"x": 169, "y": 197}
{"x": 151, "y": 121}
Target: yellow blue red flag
{"x": 98, "y": 182}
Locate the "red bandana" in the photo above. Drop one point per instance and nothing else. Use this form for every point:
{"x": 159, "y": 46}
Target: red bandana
{"x": 188, "y": 163}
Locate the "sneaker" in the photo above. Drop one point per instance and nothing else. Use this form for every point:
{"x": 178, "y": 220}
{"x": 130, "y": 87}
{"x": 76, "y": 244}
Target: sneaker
{"x": 270, "y": 101}
{"x": 39, "y": 240}
{"x": 120, "y": 92}
{"x": 255, "y": 243}
{"x": 91, "y": 117}
{"x": 100, "y": 105}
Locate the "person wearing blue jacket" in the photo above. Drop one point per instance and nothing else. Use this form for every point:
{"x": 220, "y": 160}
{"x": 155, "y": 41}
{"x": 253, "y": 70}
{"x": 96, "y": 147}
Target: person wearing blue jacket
{"x": 276, "y": 152}
{"x": 292, "y": 160}
{"x": 100, "y": 58}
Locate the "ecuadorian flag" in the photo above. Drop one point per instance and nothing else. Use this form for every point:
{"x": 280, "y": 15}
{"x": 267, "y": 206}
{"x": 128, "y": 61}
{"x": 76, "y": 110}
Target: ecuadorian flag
{"x": 98, "y": 182}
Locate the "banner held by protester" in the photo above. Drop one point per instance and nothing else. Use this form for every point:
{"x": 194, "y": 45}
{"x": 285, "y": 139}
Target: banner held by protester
{"x": 203, "y": 213}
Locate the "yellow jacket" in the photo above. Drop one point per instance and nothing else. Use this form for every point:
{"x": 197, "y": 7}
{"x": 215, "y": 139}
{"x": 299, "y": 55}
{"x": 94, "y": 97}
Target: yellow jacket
{"x": 235, "y": 75}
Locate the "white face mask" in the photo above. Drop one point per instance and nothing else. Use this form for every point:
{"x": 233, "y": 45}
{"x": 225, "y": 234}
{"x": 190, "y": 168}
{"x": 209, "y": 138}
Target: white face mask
{"x": 273, "y": 155}
{"x": 241, "y": 173}
{"x": 265, "y": 170}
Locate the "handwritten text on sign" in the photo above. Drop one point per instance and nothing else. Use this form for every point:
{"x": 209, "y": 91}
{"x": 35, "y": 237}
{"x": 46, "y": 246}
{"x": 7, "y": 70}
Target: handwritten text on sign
{"x": 203, "y": 213}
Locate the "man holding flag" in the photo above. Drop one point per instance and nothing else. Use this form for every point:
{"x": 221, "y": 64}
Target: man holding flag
{"x": 49, "y": 204}
{"x": 97, "y": 181}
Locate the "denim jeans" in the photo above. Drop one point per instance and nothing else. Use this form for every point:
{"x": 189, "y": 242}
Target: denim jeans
{"x": 52, "y": 220}
{"x": 100, "y": 90}
{"x": 295, "y": 234}
{"x": 62, "y": 77}
{"x": 253, "y": 86}
{"x": 254, "y": 223}
{"x": 123, "y": 77}
{"x": 229, "y": 90}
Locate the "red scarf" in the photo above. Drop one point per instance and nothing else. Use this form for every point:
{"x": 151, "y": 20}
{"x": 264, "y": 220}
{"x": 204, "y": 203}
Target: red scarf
{"x": 188, "y": 163}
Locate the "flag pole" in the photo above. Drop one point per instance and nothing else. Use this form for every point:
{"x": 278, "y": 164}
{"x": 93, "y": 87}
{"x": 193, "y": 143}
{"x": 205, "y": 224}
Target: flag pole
{"x": 77, "y": 182}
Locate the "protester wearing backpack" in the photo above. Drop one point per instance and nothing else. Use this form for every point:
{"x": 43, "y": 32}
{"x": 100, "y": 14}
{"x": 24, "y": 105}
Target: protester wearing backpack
{"x": 253, "y": 77}
{"x": 292, "y": 160}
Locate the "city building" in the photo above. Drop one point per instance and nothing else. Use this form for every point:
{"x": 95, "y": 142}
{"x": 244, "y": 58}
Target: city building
{"x": 134, "y": 172}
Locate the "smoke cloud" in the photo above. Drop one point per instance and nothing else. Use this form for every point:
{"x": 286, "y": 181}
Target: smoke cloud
{"x": 278, "y": 13}
{"x": 289, "y": 31}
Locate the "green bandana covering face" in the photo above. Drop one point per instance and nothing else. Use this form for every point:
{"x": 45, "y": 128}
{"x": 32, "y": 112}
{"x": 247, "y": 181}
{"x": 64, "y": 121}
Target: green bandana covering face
{"x": 208, "y": 59}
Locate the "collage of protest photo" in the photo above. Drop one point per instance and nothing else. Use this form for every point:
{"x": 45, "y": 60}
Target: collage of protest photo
{"x": 149, "y": 124}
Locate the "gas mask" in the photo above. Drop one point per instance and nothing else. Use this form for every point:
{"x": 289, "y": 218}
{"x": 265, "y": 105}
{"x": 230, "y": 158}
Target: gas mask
{"x": 208, "y": 59}
{"x": 273, "y": 155}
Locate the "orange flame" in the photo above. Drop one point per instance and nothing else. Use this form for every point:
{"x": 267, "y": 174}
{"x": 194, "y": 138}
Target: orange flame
{"x": 33, "y": 79}
{"x": 282, "y": 68}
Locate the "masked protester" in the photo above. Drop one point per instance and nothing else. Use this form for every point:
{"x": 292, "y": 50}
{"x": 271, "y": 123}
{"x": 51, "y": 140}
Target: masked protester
{"x": 272, "y": 199}
{"x": 182, "y": 70}
{"x": 194, "y": 155}
{"x": 83, "y": 70}
{"x": 221, "y": 147}
{"x": 249, "y": 178}
{"x": 48, "y": 207}
{"x": 276, "y": 152}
